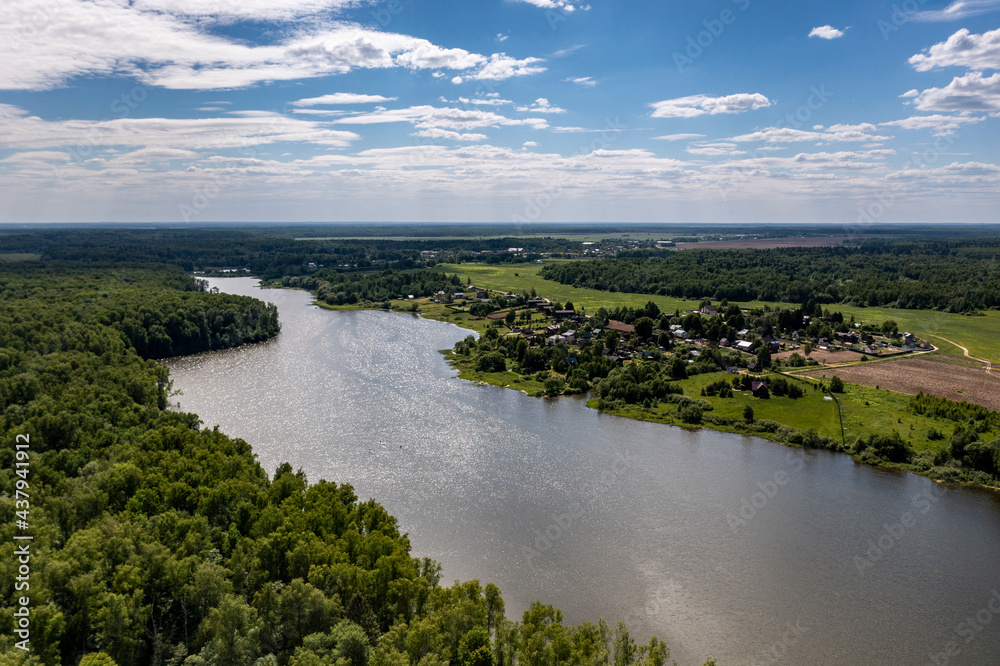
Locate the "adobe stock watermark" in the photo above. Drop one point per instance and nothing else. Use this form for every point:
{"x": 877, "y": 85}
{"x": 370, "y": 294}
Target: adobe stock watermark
{"x": 544, "y": 540}
{"x": 750, "y": 507}
{"x": 797, "y": 119}
{"x": 121, "y": 107}
{"x": 776, "y": 652}
{"x": 697, "y": 44}
{"x": 900, "y": 15}
{"x": 968, "y": 630}
{"x": 384, "y": 14}
{"x": 892, "y": 533}
{"x": 539, "y": 203}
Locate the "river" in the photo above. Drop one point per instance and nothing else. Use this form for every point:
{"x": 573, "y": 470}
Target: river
{"x": 722, "y": 545}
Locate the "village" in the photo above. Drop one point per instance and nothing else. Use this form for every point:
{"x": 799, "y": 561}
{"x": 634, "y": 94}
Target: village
{"x": 715, "y": 337}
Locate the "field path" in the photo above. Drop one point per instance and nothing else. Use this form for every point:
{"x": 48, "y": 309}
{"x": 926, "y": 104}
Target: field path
{"x": 988, "y": 364}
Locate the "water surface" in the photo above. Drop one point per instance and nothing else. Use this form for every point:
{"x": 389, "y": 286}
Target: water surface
{"x": 610, "y": 517}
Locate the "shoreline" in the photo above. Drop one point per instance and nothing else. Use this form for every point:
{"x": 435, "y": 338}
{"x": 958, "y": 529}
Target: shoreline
{"x": 534, "y": 388}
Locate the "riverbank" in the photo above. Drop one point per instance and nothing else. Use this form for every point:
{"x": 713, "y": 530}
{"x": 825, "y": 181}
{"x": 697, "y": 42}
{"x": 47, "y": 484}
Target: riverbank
{"x": 875, "y": 426}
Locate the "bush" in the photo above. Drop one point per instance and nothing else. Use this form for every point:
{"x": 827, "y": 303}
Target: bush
{"x": 491, "y": 362}
{"x": 691, "y": 414}
{"x": 887, "y": 447}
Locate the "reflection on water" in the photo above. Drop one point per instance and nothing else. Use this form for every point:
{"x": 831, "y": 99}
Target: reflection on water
{"x": 722, "y": 545}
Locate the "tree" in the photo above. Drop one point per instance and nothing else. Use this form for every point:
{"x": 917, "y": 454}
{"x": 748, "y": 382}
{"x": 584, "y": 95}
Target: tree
{"x": 554, "y": 386}
{"x": 763, "y": 357}
{"x": 748, "y": 414}
{"x": 678, "y": 368}
{"x": 889, "y": 328}
{"x": 510, "y": 317}
{"x": 644, "y": 327}
{"x": 836, "y": 385}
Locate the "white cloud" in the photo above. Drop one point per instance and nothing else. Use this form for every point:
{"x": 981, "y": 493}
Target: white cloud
{"x": 958, "y": 10}
{"x": 715, "y": 149}
{"x": 343, "y": 98}
{"x": 48, "y": 42}
{"x": 585, "y": 81}
{"x": 541, "y": 105}
{"x": 427, "y": 117}
{"x": 437, "y": 133}
{"x": 972, "y": 92}
{"x": 502, "y": 37}
{"x": 530, "y": 144}
{"x": 962, "y": 49}
{"x": 500, "y": 66}
{"x": 942, "y": 125}
{"x": 257, "y": 10}
{"x": 832, "y": 134}
{"x": 826, "y": 32}
{"x": 700, "y": 105}
{"x": 18, "y": 130}
{"x": 569, "y": 50}
{"x": 678, "y": 137}
{"x": 564, "y": 5}
{"x": 910, "y": 94}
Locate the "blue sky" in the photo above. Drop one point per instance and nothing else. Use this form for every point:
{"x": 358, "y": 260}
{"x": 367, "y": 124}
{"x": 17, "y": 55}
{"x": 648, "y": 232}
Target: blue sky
{"x": 499, "y": 110}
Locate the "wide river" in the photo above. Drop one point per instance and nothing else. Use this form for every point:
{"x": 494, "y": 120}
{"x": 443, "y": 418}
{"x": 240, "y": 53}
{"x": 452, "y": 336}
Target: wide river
{"x": 722, "y": 545}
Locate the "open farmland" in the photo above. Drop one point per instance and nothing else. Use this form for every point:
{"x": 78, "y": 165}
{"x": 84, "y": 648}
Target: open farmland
{"x": 823, "y": 356}
{"x": 766, "y": 243}
{"x": 942, "y": 376}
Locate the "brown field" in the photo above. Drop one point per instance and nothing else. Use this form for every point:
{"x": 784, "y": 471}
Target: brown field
{"x": 765, "y": 243}
{"x": 823, "y": 356}
{"x": 943, "y": 376}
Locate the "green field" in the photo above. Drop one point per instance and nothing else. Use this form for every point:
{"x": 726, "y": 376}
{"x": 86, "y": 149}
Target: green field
{"x": 524, "y": 277}
{"x": 16, "y": 257}
{"x": 980, "y": 334}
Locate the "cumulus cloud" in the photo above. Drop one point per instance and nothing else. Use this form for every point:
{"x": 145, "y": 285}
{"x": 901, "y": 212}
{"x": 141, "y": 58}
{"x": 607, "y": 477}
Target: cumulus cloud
{"x": 972, "y": 92}
{"x": 910, "y": 94}
{"x": 700, "y": 105}
{"x": 958, "y": 10}
{"x": 832, "y": 134}
{"x": 48, "y": 42}
{"x": 962, "y": 49}
{"x": 826, "y": 32}
{"x": 343, "y": 98}
{"x": 585, "y": 81}
{"x": 541, "y": 105}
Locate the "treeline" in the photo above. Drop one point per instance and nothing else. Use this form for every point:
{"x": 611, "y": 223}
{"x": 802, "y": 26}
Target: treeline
{"x": 348, "y": 289}
{"x": 957, "y": 276}
{"x": 270, "y": 253}
{"x": 158, "y": 542}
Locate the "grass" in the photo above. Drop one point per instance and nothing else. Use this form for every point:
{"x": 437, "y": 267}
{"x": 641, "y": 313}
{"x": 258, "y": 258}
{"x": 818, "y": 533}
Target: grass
{"x": 525, "y": 277}
{"x": 978, "y": 334}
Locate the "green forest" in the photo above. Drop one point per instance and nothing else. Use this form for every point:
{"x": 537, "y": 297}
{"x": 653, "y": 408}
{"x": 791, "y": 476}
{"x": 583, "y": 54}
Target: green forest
{"x": 157, "y": 541}
{"x": 951, "y": 275}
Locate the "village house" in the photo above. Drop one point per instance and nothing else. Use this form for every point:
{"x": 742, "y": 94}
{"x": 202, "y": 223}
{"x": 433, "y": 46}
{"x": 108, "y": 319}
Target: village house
{"x": 759, "y": 390}
{"x": 625, "y": 329}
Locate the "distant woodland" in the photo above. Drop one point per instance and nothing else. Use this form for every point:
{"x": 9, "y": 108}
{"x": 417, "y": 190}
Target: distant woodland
{"x": 956, "y": 276}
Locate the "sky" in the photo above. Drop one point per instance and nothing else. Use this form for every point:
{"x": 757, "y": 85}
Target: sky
{"x": 690, "y": 111}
